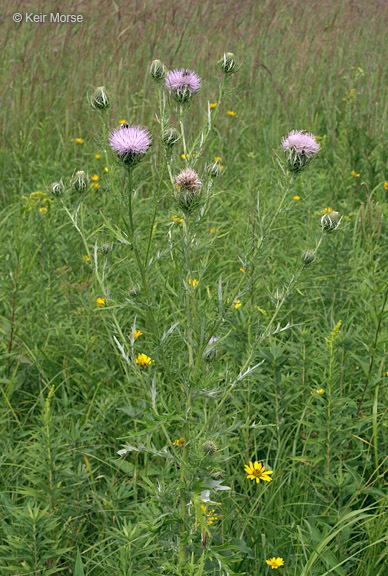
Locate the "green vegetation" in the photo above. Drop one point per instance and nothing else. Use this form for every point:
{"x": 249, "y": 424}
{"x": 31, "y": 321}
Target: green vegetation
{"x": 111, "y": 298}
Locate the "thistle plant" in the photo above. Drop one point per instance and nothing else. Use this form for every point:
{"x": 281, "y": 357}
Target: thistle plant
{"x": 177, "y": 390}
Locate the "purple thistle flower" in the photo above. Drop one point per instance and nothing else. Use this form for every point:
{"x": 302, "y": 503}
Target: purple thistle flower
{"x": 130, "y": 143}
{"x": 302, "y": 142}
{"x": 183, "y": 84}
{"x": 300, "y": 146}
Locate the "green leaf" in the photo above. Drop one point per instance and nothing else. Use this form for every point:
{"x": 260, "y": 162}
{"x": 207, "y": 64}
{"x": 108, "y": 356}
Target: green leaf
{"x": 78, "y": 568}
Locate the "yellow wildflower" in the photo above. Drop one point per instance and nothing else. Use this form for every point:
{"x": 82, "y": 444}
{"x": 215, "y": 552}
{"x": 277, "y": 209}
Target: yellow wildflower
{"x": 137, "y": 333}
{"x": 95, "y": 186}
{"x": 385, "y": 185}
{"x": 43, "y": 210}
{"x": 106, "y": 169}
{"x": 79, "y": 141}
{"x": 193, "y": 283}
{"x": 321, "y": 391}
{"x": 236, "y": 304}
{"x": 177, "y": 219}
{"x": 101, "y": 302}
{"x": 355, "y": 174}
{"x": 213, "y": 105}
{"x": 87, "y": 259}
{"x": 296, "y": 197}
{"x": 95, "y": 178}
{"x": 327, "y": 210}
{"x": 217, "y": 159}
{"x": 178, "y": 442}
{"x": 143, "y": 360}
{"x": 37, "y": 194}
{"x": 231, "y": 113}
{"x": 97, "y": 156}
{"x": 242, "y": 270}
{"x": 210, "y": 516}
{"x": 275, "y": 563}
{"x": 257, "y": 472}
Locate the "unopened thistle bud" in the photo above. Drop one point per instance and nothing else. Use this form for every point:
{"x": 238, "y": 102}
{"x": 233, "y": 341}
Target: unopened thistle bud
{"x": 100, "y": 99}
{"x": 228, "y": 63}
{"x": 80, "y": 181}
{"x": 215, "y": 169}
{"x": 170, "y": 137}
{"x": 209, "y": 447}
{"x": 308, "y": 257}
{"x": 158, "y": 70}
{"x": 57, "y": 188}
{"x": 188, "y": 194}
{"x": 330, "y": 221}
{"x": 105, "y": 248}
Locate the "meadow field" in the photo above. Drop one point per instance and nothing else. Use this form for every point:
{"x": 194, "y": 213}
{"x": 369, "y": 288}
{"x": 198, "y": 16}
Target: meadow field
{"x": 194, "y": 333}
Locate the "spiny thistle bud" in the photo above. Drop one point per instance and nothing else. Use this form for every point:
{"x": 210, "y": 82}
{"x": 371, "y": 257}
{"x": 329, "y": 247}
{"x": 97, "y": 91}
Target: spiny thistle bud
{"x": 189, "y": 187}
{"x": 308, "y": 257}
{"x": 215, "y": 169}
{"x": 57, "y": 188}
{"x": 100, "y": 99}
{"x": 228, "y": 63}
{"x": 170, "y": 137}
{"x": 158, "y": 70}
{"x": 209, "y": 447}
{"x": 80, "y": 181}
{"x": 330, "y": 221}
{"x": 105, "y": 248}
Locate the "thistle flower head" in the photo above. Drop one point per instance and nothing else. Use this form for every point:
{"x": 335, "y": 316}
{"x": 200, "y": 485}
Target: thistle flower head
{"x": 188, "y": 179}
{"x": 228, "y": 63}
{"x": 300, "y": 146}
{"x": 100, "y": 99}
{"x": 170, "y": 137}
{"x": 57, "y": 188}
{"x": 209, "y": 447}
{"x": 80, "y": 182}
{"x": 130, "y": 143}
{"x": 183, "y": 84}
{"x": 330, "y": 221}
{"x": 189, "y": 186}
{"x": 215, "y": 169}
{"x": 158, "y": 70}
{"x": 105, "y": 248}
{"x": 308, "y": 257}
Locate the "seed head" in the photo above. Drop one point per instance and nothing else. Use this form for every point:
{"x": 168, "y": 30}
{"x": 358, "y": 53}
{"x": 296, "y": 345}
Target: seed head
{"x": 189, "y": 186}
